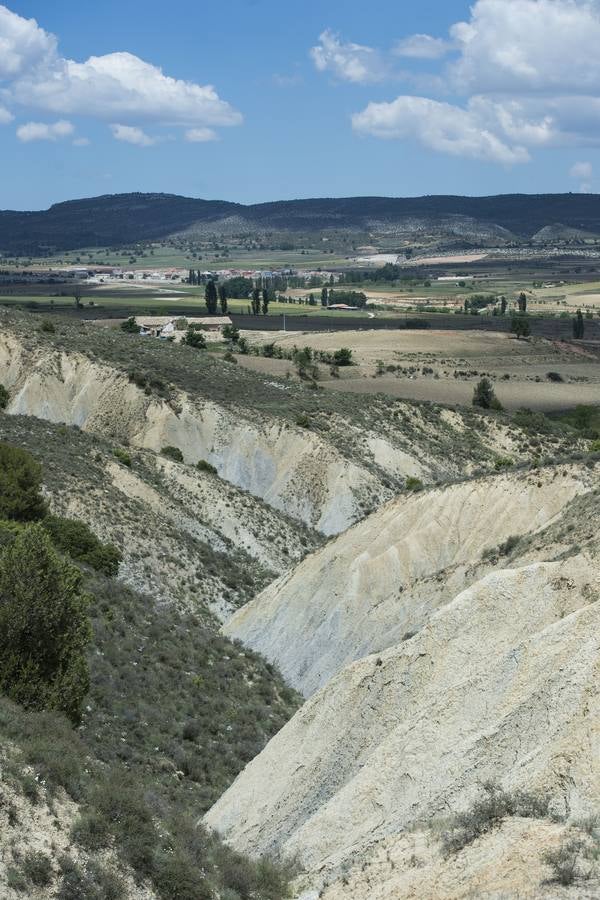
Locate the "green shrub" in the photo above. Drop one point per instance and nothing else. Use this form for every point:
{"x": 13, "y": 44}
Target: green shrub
{"x": 204, "y": 466}
{"x": 414, "y": 484}
{"x": 594, "y": 447}
{"x": 37, "y": 868}
{"x": 16, "y": 880}
{"x": 122, "y": 456}
{"x": 20, "y": 485}
{"x": 130, "y": 326}
{"x": 91, "y": 883}
{"x": 177, "y": 878}
{"x": 91, "y": 831}
{"x": 173, "y": 453}
{"x": 48, "y": 327}
{"x": 503, "y": 462}
{"x": 44, "y": 626}
{"x": 4, "y": 397}
{"x": 303, "y": 421}
{"x": 565, "y": 861}
{"x": 75, "y": 538}
{"x": 342, "y": 357}
{"x": 510, "y": 544}
{"x": 194, "y": 338}
{"x": 484, "y": 396}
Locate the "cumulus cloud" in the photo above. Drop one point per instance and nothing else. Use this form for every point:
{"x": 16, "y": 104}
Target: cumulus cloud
{"x": 422, "y": 46}
{"x": 23, "y": 44}
{"x": 81, "y": 142}
{"x": 528, "y": 46}
{"x": 200, "y": 135}
{"x": 42, "y": 131}
{"x": 116, "y": 87}
{"x": 130, "y": 134}
{"x": 348, "y": 62}
{"x": 526, "y": 75}
{"x": 5, "y": 116}
{"x": 438, "y": 126}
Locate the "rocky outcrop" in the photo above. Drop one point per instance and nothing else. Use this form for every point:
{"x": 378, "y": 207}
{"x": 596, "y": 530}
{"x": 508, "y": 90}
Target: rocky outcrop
{"x": 381, "y": 580}
{"x": 500, "y": 684}
{"x": 292, "y": 469}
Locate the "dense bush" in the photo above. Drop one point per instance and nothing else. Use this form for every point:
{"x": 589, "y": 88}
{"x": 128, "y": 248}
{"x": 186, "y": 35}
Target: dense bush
{"x": 204, "y": 466}
{"x": 73, "y": 537}
{"x": 122, "y": 456}
{"x": 44, "y": 626}
{"x": 194, "y": 338}
{"x": 484, "y": 395}
{"x": 173, "y": 453}
{"x": 4, "y": 397}
{"x": 20, "y": 485}
{"x": 342, "y": 357}
{"x": 37, "y": 868}
{"x": 130, "y": 326}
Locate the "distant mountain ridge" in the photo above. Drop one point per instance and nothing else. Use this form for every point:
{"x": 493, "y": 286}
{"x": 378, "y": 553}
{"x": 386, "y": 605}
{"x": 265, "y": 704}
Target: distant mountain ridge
{"x": 125, "y": 218}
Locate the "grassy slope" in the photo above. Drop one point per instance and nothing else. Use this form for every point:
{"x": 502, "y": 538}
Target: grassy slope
{"x": 174, "y": 713}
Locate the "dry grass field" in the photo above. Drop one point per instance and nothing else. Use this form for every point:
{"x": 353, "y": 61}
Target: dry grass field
{"x": 444, "y": 366}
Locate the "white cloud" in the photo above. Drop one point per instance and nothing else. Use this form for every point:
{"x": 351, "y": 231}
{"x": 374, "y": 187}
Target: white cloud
{"x": 585, "y": 188}
{"x": 422, "y": 46}
{"x": 23, "y": 44}
{"x": 42, "y": 131}
{"x": 438, "y": 126}
{"x": 581, "y": 170}
{"x": 533, "y": 46}
{"x": 526, "y": 74}
{"x": 5, "y": 116}
{"x": 200, "y": 135}
{"x": 116, "y": 87}
{"x": 130, "y": 134}
{"x": 81, "y": 142}
{"x": 349, "y": 62}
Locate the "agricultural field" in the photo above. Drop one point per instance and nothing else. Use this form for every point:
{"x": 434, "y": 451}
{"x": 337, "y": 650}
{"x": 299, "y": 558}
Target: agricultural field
{"x": 444, "y": 366}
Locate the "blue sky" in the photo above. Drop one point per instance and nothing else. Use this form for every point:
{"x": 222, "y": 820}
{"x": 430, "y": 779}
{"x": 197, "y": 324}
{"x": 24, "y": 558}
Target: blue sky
{"x": 322, "y": 98}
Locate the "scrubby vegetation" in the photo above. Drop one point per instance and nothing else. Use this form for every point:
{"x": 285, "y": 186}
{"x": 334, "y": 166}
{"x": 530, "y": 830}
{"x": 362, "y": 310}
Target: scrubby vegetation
{"x": 489, "y": 811}
{"x": 173, "y": 711}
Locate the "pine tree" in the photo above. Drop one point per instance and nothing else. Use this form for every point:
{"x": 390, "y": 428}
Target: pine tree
{"x": 210, "y": 298}
{"x": 324, "y": 296}
{"x": 578, "y": 326}
{"x": 255, "y": 302}
{"x": 44, "y": 626}
{"x": 21, "y": 499}
{"x": 522, "y": 302}
{"x": 265, "y": 301}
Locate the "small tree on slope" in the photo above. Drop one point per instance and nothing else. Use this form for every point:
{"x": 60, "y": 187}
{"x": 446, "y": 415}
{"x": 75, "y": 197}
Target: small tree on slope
{"x": 44, "y": 626}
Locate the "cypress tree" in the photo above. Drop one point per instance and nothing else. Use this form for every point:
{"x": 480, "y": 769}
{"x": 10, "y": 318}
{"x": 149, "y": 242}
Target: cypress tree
{"x": 210, "y": 297}
{"x": 223, "y": 299}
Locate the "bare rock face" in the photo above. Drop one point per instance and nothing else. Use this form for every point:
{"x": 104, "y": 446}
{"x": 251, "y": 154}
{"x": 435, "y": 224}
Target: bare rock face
{"x": 293, "y": 470}
{"x": 507, "y": 862}
{"x": 501, "y": 684}
{"x": 382, "y": 579}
